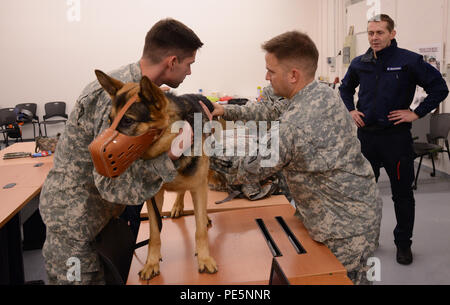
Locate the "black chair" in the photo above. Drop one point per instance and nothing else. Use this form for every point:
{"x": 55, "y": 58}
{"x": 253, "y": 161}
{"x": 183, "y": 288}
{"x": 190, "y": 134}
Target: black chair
{"x": 8, "y": 125}
{"x": 26, "y": 114}
{"x": 54, "y": 109}
{"x": 439, "y": 129}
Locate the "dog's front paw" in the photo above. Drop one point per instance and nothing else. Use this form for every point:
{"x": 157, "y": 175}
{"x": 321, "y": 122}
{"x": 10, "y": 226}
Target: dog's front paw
{"x": 177, "y": 211}
{"x": 149, "y": 271}
{"x": 207, "y": 264}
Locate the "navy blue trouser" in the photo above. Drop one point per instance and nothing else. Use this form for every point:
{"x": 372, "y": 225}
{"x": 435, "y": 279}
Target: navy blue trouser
{"x": 393, "y": 150}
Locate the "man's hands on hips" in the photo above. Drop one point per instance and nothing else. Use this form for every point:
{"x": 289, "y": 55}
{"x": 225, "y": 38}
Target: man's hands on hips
{"x": 402, "y": 116}
{"x": 357, "y": 117}
{"x": 396, "y": 116}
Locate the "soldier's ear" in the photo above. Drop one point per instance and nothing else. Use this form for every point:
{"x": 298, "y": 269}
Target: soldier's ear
{"x": 111, "y": 85}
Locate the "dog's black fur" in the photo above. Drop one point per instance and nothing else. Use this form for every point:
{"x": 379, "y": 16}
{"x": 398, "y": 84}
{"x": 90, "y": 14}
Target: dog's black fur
{"x": 188, "y": 105}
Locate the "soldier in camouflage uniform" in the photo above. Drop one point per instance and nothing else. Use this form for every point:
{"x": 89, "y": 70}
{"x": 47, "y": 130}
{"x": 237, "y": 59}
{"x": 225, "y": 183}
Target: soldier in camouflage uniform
{"x": 331, "y": 182}
{"x": 76, "y": 202}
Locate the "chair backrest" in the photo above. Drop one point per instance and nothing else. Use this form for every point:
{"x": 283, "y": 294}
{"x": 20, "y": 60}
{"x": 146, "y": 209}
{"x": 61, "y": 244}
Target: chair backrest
{"x": 439, "y": 125}
{"x": 55, "y": 109}
{"x": 7, "y": 116}
{"x": 420, "y": 128}
{"x": 32, "y": 107}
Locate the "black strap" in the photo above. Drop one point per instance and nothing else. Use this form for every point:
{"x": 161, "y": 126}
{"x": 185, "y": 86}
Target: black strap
{"x": 158, "y": 217}
{"x": 141, "y": 244}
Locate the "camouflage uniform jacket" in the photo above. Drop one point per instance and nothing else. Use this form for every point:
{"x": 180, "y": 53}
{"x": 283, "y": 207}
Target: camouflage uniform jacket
{"x": 75, "y": 200}
{"x": 332, "y": 184}
{"x": 269, "y": 108}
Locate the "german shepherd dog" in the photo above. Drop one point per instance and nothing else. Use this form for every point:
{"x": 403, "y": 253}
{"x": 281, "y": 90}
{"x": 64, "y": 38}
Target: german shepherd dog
{"x": 154, "y": 109}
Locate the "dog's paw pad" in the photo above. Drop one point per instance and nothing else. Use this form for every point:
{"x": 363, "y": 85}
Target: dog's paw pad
{"x": 177, "y": 211}
{"x": 207, "y": 265}
{"x": 149, "y": 272}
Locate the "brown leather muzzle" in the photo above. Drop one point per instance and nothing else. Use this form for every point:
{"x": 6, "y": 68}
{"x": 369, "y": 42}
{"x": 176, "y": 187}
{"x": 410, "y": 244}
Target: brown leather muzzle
{"x": 113, "y": 152}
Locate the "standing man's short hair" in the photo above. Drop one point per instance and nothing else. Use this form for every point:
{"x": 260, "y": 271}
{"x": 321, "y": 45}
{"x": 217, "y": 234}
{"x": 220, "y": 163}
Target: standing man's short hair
{"x": 386, "y": 18}
{"x": 295, "y": 46}
{"x": 170, "y": 37}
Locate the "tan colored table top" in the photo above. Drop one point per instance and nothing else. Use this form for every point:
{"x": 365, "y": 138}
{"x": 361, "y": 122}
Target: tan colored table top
{"x": 213, "y": 196}
{"x": 23, "y": 147}
{"x": 24, "y": 175}
{"x": 13, "y": 200}
{"x": 240, "y": 250}
{"x": 27, "y": 177}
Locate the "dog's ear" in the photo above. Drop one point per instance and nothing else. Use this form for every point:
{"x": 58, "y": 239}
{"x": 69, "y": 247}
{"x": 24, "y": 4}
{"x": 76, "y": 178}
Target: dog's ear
{"x": 151, "y": 93}
{"x": 111, "y": 85}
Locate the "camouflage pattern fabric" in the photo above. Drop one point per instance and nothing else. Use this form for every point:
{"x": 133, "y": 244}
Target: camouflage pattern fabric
{"x": 273, "y": 105}
{"x": 332, "y": 184}
{"x": 274, "y": 184}
{"x": 269, "y": 108}
{"x": 354, "y": 253}
{"x": 76, "y": 202}
{"x": 44, "y": 143}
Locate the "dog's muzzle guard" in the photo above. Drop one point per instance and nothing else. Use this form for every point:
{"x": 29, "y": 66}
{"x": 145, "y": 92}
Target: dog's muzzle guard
{"x": 113, "y": 152}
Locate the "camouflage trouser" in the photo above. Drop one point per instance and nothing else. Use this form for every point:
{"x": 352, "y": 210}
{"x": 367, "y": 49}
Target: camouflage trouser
{"x": 353, "y": 253}
{"x": 71, "y": 262}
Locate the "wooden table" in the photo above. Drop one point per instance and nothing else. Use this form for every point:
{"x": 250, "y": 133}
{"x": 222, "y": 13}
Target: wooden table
{"x": 240, "y": 250}
{"x": 24, "y": 175}
{"x": 212, "y": 207}
{"x": 13, "y": 200}
{"x": 23, "y": 147}
{"x": 27, "y": 175}
{"x": 20, "y": 181}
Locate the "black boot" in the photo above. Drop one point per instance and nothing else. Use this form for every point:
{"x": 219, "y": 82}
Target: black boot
{"x": 404, "y": 255}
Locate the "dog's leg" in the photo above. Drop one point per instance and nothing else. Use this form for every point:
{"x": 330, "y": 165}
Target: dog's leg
{"x": 178, "y": 206}
{"x": 206, "y": 262}
{"x": 151, "y": 267}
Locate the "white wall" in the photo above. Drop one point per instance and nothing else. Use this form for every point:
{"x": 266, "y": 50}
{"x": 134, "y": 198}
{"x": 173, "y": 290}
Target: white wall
{"x": 44, "y": 57}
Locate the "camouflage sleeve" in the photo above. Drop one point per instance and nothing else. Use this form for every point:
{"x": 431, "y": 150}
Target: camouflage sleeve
{"x": 268, "y": 109}
{"x": 274, "y": 152}
{"x": 140, "y": 182}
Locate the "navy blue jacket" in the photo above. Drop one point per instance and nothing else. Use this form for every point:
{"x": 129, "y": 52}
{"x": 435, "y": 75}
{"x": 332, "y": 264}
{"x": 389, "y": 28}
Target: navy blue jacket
{"x": 389, "y": 82}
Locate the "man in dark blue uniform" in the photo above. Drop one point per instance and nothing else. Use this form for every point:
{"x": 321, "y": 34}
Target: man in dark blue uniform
{"x": 387, "y": 77}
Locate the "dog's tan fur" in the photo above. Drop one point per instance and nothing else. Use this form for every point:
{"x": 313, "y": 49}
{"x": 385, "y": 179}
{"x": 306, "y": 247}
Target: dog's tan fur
{"x": 163, "y": 113}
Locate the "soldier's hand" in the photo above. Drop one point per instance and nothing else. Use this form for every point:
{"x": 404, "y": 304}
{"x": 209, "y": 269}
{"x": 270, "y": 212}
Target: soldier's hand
{"x": 356, "y": 115}
{"x": 402, "y": 116}
{"x": 219, "y": 110}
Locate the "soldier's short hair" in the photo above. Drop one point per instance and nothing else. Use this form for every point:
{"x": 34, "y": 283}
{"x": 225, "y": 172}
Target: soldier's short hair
{"x": 170, "y": 37}
{"x": 386, "y": 18}
{"x": 296, "y": 46}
